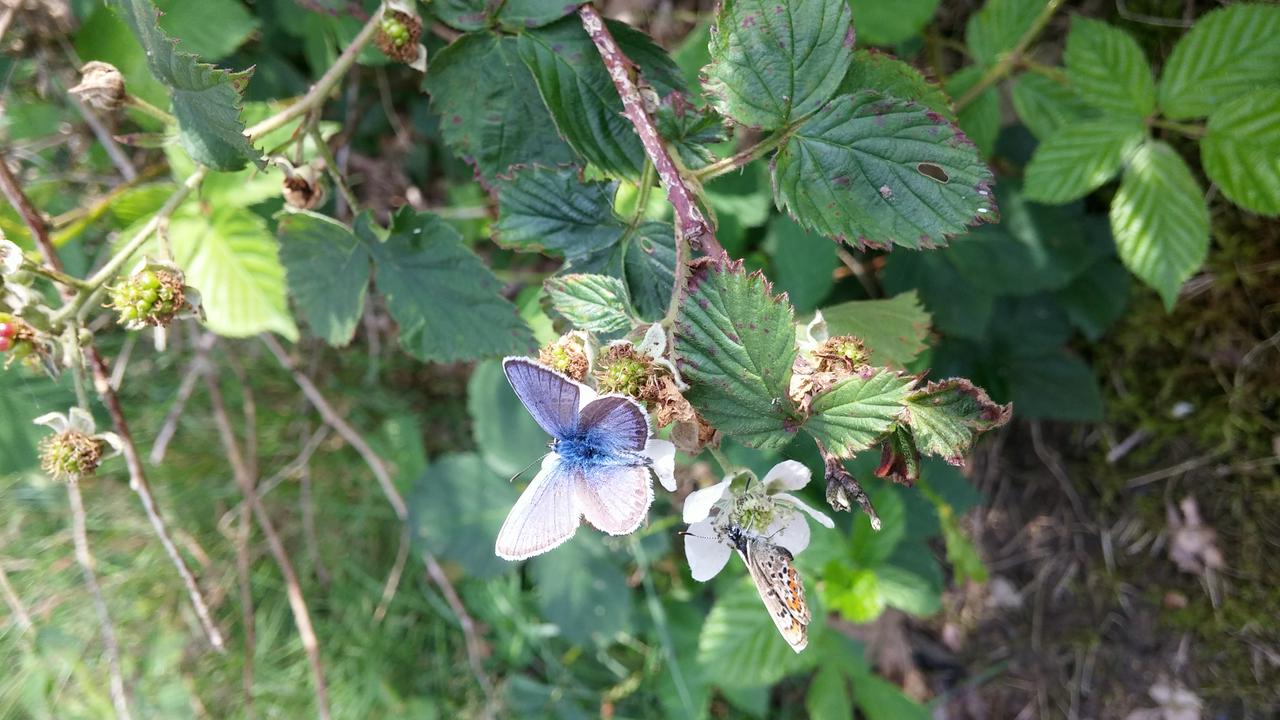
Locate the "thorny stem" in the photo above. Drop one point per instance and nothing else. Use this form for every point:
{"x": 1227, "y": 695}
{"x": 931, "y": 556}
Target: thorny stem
{"x": 690, "y": 222}
{"x": 1009, "y": 61}
{"x": 85, "y": 560}
{"x": 293, "y": 589}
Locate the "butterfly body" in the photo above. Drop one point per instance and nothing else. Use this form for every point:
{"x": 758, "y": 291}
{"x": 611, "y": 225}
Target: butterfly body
{"x": 778, "y": 583}
{"x": 598, "y": 467}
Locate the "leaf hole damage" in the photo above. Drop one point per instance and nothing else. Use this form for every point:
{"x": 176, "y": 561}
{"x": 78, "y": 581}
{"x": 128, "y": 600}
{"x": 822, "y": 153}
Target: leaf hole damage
{"x": 933, "y": 172}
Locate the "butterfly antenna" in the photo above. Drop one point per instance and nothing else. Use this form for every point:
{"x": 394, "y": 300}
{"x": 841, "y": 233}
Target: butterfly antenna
{"x": 526, "y": 468}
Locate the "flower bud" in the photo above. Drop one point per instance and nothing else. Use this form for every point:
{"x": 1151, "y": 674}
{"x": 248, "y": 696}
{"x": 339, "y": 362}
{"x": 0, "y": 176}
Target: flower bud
{"x": 70, "y": 455}
{"x": 843, "y": 487}
{"x": 101, "y": 86}
{"x": 152, "y": 296}
{"x": 303, "y": 190}
{"x": 623, "y": 370}
{"x": 398, "y": 34}
{"x": 566, "y": 355}
{"x": 841, "y": 354}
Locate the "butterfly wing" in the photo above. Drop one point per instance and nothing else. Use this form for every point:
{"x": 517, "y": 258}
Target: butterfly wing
{"x": 545, "y": 515}
{"x": 780, "y": 588}
{"x": 614, "y": 498}
{"x": 551, "y": 398}
{"x": 618, "y": 423}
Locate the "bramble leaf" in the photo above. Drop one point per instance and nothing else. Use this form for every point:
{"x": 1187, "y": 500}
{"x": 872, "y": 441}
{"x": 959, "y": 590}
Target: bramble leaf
{"x": 773, "y": 63}
{"x": 735, "y": 346}
{"x": 510, "y": 15}
{"x": 1044, "y": 105}
{"x": 858, "y": 411}
{"x": 828, "y": 695}
{"x": 1108, "y": 68}
{"x": 1160, "y": 220}
{"x": 980, "y": 119}
{"x": 490, "y": 110}
{"x": 206, "y": 100}
{"x": 582, "y": 99}
{"x": 1241, "y": 150}
{"x": 447, "y": 303}
{"x": 328, "y": 273}
{"x": 880, "y": 23}
{"x": 1079, "y": 159}
{"x": 541, "y": 209}
{"x": 598, "y": 303}
{"x": 996, "y": 28}
{"x": 946, "y": 417}
{"x": 455, "y": 510}
{"x": 802, "y": 262}
{"x": 893, "y": 330}
{"x": 1229, "y": 51}
{"x": 873, "y": 170}
{"x": 881, "y": 700}
{"x": 577, "y": 590}
{"x": 231, "y": 258}
{"x": 886, "y": 74}
{"x": 506, "y": 436}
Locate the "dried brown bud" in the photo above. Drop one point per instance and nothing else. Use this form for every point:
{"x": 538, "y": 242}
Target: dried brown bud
{"x": 843, "y": 487}
{"x": 621, "y": 369}
{"x": 841, "y": 354}
{"x": 302, "y": 192}
{"x": 70, "y": 455}
{"x": 567, "y": 356}
{"x": 101, "y": 86}
{"x": 691, "y": 437}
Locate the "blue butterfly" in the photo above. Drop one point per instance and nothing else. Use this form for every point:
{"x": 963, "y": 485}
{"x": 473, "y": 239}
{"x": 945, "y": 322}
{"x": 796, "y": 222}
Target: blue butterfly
{"x": 599, "y": 466}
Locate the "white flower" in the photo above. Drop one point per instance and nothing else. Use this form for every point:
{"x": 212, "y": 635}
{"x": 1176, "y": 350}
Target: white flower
{"x": 10, "y": 257}
{"x": 661, "y": 453}
{"x": 654, "y": 345}
{"x": 809, "y": 337}
{"x": 764, "y": 508}
{"x": 78, "y": 420}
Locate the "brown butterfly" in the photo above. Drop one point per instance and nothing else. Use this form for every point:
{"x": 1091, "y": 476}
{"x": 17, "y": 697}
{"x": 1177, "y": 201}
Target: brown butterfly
{"x": 778, "y": 583}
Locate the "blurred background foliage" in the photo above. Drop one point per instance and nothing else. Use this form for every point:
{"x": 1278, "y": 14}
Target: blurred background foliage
{"x": 1123, "y": 408}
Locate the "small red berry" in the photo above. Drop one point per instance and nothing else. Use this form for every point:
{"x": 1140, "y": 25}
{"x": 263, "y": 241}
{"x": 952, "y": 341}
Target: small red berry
{"x": 5, "y": 343}
{"x": 8, "y": 330}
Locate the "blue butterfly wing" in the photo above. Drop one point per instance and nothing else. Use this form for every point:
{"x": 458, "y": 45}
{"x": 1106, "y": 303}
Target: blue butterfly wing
{"x": 618, "y": 424}
{"x": 614, "y": 498}
{"x": 551, "y": 398}
{"x": 545, "y": 516}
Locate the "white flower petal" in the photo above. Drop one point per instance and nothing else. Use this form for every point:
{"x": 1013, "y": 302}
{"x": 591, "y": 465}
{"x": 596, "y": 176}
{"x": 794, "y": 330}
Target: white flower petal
{"x": 787, "y": 475}
{"x": 663, "y": 455}
{"x": 697, "y": 506}
{"x": 818, "y": 515}
{"x": 54, "y": 421}
{"x": 654, "y": 343}
{"x": 791, "y": 532}
{"x": 112, "y": 439}
{"x": 706, "y": 554}
{"x": 420, "y": 62}
{"x": 10, "y": 258}
{"x": 80, "y": 420}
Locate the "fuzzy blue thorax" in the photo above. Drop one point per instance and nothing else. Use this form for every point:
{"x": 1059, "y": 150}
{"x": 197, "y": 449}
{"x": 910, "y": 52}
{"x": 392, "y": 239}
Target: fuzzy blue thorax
{"x": 590, "y": 447}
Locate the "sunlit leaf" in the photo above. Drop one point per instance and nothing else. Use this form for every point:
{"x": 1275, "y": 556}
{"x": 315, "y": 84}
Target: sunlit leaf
{"x": 893, "y": 329}
{"x": 739, "y": 645}
{"x": 947, "y": 416}
{"x": 1228, "y": 52}
{"x": 1108, "y": 68}
{"x": 328, "y": 273}
{"x": 1044, "y": 104}
{"x": 858, "y": 411}
{"x": 1241, "y": 150}
{"x": 597, "y": 303}
{"x": 1078, "y": 159}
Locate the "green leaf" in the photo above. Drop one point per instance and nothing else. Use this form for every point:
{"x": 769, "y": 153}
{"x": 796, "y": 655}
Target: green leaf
{"x": 489, "y": 107}
{"x": 997, "y": 27}
{"x": 206, "y": 100}
{"x": 954, "y": 304}
{"x": 541, "y": 209}
{"x": 328, "y": 273}
{"x": 886, "y": 74}
{"x": 1045, "y": 105}
{"x": 597, "y": 303}
{"x": 510, "y": 15}
{"x": 881, "y": 700}
{"x": 576, "y": 88}
{"x": 803, "y": 263}
{"x": 1108, "y": 68}
{"x": 828, "y": 696}
{"x": 773, "y": 63}
{"x": 858, "y": 411}
{"x": 1055, "y": 385}
{"x": 210, "y": 29}
{"x": 739, "y": 645}
{"x": 735, "y": 345}
{"x": 1097, "y": 297}
{"x": 645, "y": 258}
{"x": 455, "y": 511}
{"x": 1228, "y": 52}
{"x": 1076, "y": 160}
{"x": 981, "y": 118}
{"x": 891, "y": 23}
{"x": 579, "y": 591}
{"x": 1241, "y": 151}
{"x": 447, "y": 303}
{"x": 946, "y": 417}
{"x": 231, "y": 258}
{"x": 873, "y": 170}
{"x": 855, "y": 594}
{"x": 1160, "y": 220}
{"x": 894, "y": 330}
{"x": 913, "y": 587}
